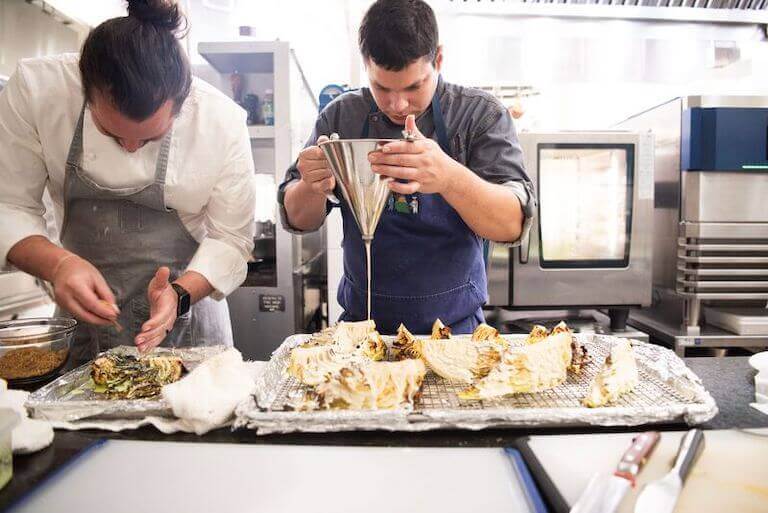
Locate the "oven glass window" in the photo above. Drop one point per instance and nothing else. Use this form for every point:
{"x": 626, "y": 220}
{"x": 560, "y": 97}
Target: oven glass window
{"x": 262, "y": 266}
{"x": 585, "y": 204}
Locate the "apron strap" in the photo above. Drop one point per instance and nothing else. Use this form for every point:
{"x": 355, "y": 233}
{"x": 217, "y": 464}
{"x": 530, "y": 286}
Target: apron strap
{"x": 366, "y": 124}
{"x": 76, "y": 149}
{"x": 76, "y": 146}
{"x": 440, "y": 128}
{"x": 161, "y": 167}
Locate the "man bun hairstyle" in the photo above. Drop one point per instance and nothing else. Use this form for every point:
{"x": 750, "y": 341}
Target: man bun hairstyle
{"x": 395, "y": 33}
{"x": 137, "y": 61}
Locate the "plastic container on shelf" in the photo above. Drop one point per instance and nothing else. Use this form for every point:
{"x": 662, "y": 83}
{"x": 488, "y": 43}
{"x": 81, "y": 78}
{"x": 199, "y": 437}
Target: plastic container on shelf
{"x": 268, "y": 108}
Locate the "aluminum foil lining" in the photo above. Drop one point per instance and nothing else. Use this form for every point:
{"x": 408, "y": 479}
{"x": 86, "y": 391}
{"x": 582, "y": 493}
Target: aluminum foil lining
{"x": 668, "y": 392}
{"x": 69, "y": 398}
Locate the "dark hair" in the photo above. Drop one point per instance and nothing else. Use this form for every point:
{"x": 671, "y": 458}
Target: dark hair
{"x": 137, "y": 60}
{"x": 395, "y": 33}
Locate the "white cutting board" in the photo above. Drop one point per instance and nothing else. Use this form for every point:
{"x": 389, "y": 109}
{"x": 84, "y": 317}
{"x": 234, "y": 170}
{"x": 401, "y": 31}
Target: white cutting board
{"x": 730, "y": 476}
{"x": 133, "y": 476}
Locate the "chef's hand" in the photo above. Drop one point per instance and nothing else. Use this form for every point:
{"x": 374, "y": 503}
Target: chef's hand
{"x": 421, "y": 162}
{"x": 314, "y": 169}
{"x": 80, "y": 289}
{"x": 163, "y": 302}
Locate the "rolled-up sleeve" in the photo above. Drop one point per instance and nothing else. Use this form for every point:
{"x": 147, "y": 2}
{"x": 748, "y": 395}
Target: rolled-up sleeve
{"x": 22, "y": 169}
{"x": 495, "y": 155}
{"x": 292, "y": 175}
{"x": 222, "y": 257}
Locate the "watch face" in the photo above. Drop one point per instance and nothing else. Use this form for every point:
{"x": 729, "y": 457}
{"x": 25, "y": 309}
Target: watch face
{"x": 184, "y": 303}
{"x": 184, "y": 299}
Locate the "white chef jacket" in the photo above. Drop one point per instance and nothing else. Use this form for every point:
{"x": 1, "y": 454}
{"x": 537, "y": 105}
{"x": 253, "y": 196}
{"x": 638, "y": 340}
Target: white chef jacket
{"x": 210, "y": 179}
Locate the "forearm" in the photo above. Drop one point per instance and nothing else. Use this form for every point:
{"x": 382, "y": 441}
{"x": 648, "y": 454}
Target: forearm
{"x": 196, "y": 284}
{"x": 37, "y": 256}
{"x": 305, "y": 208}
{"x": 492, "y": 211}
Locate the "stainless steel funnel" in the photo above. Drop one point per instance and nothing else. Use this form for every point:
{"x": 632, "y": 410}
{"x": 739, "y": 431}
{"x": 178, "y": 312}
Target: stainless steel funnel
{"x": 365, "y": 191}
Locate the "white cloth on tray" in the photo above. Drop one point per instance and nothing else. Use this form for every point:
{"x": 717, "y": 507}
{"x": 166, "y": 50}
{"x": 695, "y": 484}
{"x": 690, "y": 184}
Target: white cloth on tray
{"x": 29, "y": 435}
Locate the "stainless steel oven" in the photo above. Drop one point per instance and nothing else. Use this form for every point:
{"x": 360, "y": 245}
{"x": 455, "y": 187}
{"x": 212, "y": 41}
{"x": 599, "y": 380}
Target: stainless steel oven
{"x": 590, "y": 244}
{"x": 710, "y": 269}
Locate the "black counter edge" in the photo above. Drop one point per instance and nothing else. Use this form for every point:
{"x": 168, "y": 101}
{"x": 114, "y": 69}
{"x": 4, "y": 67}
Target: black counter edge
{"x": 552, "y": 496}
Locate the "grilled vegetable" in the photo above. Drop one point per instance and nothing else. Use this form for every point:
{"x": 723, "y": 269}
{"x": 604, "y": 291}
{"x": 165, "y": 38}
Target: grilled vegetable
{"x": 531, "y": 368}
{"x": 310, "y": 365}
{"x": 127, "y": 377}
{"x": 372, "y": 385}
{"x": 333, "y": 348}
{"x": 579, "y": 355}
{"x": 405, "y": 345}
{"x": 488, "y": 333}
{"x": 440, "y": 330}
{"x": 457, "y": 359}
{"x": 460, "y": 359}
{"x": 537, "y": 334}
{"x": 617, "y": 377}
{"x": 359, "y": 338}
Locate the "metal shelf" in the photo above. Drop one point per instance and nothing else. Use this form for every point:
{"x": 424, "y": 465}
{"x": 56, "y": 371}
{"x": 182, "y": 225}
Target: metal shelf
{"x": 261, "y": 131}
{"x": 721, "y": 272}
{"x": 239, "y": 56}
{"x": 721, "y": 259}
{"x": 730, "y": 247}
{"x": 724, "y": 295}
{"x": 724, "y": 284}
{"x": 709, "y": 336}
{"x": 703, "y": 231}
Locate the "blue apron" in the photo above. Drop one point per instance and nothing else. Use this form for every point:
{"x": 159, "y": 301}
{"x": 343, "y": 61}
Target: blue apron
{"x": 426, "y": 264}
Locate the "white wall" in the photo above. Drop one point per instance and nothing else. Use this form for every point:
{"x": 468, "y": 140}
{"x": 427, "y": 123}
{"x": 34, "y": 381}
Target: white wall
{"x": 589, "y": 73}
{"x": 593, "y": 73}
{"x": 25, "y": 31}
{"x": 88, "y": 13}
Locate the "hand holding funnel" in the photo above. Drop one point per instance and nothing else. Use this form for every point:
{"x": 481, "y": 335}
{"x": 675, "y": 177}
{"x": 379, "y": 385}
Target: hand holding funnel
{"x": 365, "y": 191}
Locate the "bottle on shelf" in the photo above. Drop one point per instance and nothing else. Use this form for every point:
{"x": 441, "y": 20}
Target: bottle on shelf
{"x": 268, "y": 108}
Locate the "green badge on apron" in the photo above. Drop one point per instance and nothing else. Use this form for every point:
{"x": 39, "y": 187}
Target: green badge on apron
{"x": 404, "y": 204}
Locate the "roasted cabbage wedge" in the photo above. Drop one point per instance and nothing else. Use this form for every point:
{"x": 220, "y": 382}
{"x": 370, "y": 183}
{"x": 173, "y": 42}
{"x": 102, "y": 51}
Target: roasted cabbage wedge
{"x": 460, "y": 359}
{"x": 310, "y": 365}
{"x": 457, "y": 359}
{"x": 579, "y": 355}
{"x": 372, "y": 385}
{"x": 486, "y": 333}
{"x": 405, "y": 345}
{"x": 616, "y": 377}
{"x": 330, "y": 350}
{"x": 440, "y": 330}
{"x": 529, "y": 368}
{"x": 128, "y": 377}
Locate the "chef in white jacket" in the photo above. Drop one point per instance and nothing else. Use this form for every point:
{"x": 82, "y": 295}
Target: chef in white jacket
{"x": 151, "y": 177}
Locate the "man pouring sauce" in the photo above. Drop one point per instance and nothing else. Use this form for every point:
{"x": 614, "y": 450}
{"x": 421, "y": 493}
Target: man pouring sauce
{"x": 461, "y": 181}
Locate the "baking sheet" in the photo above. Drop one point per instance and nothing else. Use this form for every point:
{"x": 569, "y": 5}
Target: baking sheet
{"x": 69, "y": 398}
{"x": 668, "y": 392}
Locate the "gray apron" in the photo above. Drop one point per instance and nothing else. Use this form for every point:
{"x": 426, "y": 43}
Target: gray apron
{"x": 127, "y": 234}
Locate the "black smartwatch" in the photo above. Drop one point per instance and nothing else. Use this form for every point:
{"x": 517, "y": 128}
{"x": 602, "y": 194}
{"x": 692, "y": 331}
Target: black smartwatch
{"x": 185, "y": 301}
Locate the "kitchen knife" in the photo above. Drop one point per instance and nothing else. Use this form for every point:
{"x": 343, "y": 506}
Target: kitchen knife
{"x": 605, "y": 492}
{"x": 660, "y": 496}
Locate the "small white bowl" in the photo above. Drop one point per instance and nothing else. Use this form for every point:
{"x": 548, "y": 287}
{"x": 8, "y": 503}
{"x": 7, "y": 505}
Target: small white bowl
{"x": 759, "y": 361}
